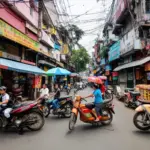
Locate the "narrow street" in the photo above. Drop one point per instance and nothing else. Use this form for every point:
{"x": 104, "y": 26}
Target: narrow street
{"x": 121, "y": 135}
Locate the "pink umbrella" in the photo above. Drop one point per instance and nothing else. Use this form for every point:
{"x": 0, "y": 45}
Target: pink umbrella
{"x": 96, "y": 80}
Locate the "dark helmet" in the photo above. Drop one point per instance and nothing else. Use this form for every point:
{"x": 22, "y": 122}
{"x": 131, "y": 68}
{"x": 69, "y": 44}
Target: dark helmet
{"x": 3, "y": 88}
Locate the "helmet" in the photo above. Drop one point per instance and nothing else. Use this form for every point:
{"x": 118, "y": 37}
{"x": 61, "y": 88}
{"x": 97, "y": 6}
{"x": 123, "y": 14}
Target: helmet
{"x": 3, "y": 88}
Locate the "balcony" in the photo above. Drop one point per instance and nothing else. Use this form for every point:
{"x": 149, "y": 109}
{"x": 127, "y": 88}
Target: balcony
{"x": 45, "y": 38}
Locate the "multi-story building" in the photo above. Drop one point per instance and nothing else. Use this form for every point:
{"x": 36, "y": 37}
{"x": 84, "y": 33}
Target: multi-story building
{"x": 29, "y": 44}
{"x": 128, "y": 50}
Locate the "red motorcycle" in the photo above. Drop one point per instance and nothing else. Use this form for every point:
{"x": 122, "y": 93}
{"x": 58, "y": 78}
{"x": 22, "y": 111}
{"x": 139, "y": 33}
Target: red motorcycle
{"x": 25, "y": 115}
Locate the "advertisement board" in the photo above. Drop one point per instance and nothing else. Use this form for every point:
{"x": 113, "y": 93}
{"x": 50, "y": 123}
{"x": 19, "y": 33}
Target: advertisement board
{"x": 11, "y": 33}
{"x": 114, "y": 52}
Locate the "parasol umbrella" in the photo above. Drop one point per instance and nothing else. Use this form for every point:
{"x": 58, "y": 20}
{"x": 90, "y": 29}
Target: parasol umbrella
{"x": 102, "y": 77}
{"x": 58, "y": 71}
{"x": 96, "y": 80}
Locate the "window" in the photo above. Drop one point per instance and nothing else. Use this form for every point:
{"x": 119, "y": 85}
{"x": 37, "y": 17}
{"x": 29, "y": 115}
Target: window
{"x": 147, "y": 6}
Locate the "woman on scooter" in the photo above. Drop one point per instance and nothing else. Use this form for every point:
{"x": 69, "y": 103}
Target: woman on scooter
{"x": 98, "y": 101}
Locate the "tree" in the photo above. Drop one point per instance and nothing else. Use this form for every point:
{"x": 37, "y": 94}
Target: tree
{"x": 80, "y": 58}
{"x": 73, "y": 33}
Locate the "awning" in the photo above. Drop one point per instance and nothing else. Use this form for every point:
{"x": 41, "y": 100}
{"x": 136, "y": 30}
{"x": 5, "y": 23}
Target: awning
{"x": 133, "y": 64}
{"x": 19, "y": 67}
{"x": 46, "y": 63}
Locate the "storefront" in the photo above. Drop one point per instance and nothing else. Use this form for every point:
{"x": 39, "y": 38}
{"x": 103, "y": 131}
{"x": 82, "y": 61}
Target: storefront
{"x": 18, "y": 54}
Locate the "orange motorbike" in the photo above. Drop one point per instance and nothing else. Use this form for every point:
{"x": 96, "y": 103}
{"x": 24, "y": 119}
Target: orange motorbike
{"x": 86, "y": 115}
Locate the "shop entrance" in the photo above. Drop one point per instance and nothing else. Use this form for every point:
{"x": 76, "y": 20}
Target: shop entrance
{"x": 130, "y": 78}
{"x": 14, "y": 80}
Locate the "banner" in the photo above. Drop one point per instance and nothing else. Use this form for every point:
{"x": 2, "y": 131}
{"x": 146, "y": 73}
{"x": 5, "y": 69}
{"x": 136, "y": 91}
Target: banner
{"x": 65, "y": 49}
{"x": 114, "y": 52}
{"x": 37, "y": 81}
{"x": 11, "y": 33}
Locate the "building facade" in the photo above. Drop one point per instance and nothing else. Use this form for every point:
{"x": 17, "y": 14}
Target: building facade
{"x": 125, "y": 50}
{"x": 29, "y": 44}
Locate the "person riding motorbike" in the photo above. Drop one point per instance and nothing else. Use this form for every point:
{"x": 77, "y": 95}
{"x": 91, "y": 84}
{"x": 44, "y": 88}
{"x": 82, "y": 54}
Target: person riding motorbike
{"x": 98, "y": 102}
{"x": 56, "y": 95}
{"x": 44, "y": 92}
{"x": 4, "y": 104}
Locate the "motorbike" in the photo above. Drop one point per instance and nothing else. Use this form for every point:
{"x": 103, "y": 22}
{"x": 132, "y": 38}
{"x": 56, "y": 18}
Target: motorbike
{"x": 16, "y": 95}
{"x": 86, "y": 115}
{"x": 141, "y": 118}
{"x": 65, "y": 106}
{"x": 131, "y": 99}
{"x": 108, "y": 94}
{"x": 25, "y": 115}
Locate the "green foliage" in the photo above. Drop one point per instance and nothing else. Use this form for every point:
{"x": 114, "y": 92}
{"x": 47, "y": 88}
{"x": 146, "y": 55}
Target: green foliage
{"x": 80, "y": 58}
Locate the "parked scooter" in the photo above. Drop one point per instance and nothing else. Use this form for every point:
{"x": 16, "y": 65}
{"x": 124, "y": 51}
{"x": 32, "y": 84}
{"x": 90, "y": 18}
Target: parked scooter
{"x": 16, "y": 95}
{"x": 141, "y": 118}
{"x": 26, "y": 115}
{"x": 131, "y": 99}
{"x": 86, "y": 115}
{"x": 65, "y": 106}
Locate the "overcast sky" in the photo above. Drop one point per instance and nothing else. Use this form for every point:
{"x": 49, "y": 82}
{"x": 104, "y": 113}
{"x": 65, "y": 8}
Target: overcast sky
{"x": 95, "y": 10}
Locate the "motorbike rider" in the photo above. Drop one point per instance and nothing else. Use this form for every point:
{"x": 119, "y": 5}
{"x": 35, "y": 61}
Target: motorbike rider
{"x": 98, "y": 102}
{"x": 44, "y": 92}
{"x": 56, "y": 96}
{"x": 4, "y": 104}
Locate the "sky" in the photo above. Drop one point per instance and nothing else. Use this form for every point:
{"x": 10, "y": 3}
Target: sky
{"x": 89, "y": 15}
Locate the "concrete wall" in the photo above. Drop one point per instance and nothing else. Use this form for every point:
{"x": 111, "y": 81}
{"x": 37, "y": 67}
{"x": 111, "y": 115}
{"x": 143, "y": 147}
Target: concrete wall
{"x": 52, "y": 12}
{"x": 24, "y": 8}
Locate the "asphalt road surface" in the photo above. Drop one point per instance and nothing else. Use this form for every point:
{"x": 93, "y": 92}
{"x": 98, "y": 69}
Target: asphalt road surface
{"x": 120, "y": 135}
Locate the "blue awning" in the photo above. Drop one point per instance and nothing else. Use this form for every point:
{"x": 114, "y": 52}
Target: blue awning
{"x": 19, "y": 67}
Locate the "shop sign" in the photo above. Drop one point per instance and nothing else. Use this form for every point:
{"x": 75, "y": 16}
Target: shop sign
{"x": 9, "y": 56}
{"x": 30, "y": 27}
{"x": 11, "y": 33}
{"x": 114, "y": 52}
{"x": 28, "y": 62}
{"x": 127, "y": 42}
{"x": 65, "y": 49}
{"x": 37, "y": 82}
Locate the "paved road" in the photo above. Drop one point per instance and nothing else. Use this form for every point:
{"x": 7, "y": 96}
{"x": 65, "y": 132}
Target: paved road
{"x": 121, "y": 135}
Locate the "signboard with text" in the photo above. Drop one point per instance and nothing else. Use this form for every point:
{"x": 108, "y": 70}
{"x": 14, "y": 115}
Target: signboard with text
{"x": 11, "y": 33}
{"x": 114, "y": 52}
{"x": 127, "y": 42}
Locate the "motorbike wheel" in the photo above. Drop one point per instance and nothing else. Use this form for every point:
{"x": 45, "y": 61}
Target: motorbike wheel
{"x": 39, "y": 120}
{"x": 143, "y": 126}
{"x": 109, "y": 114}
{"x": 126, "y": 101}
{"x": 46, "y": 111}
{"x": 68, "y": 109}
{"x": 72, "y": 121}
